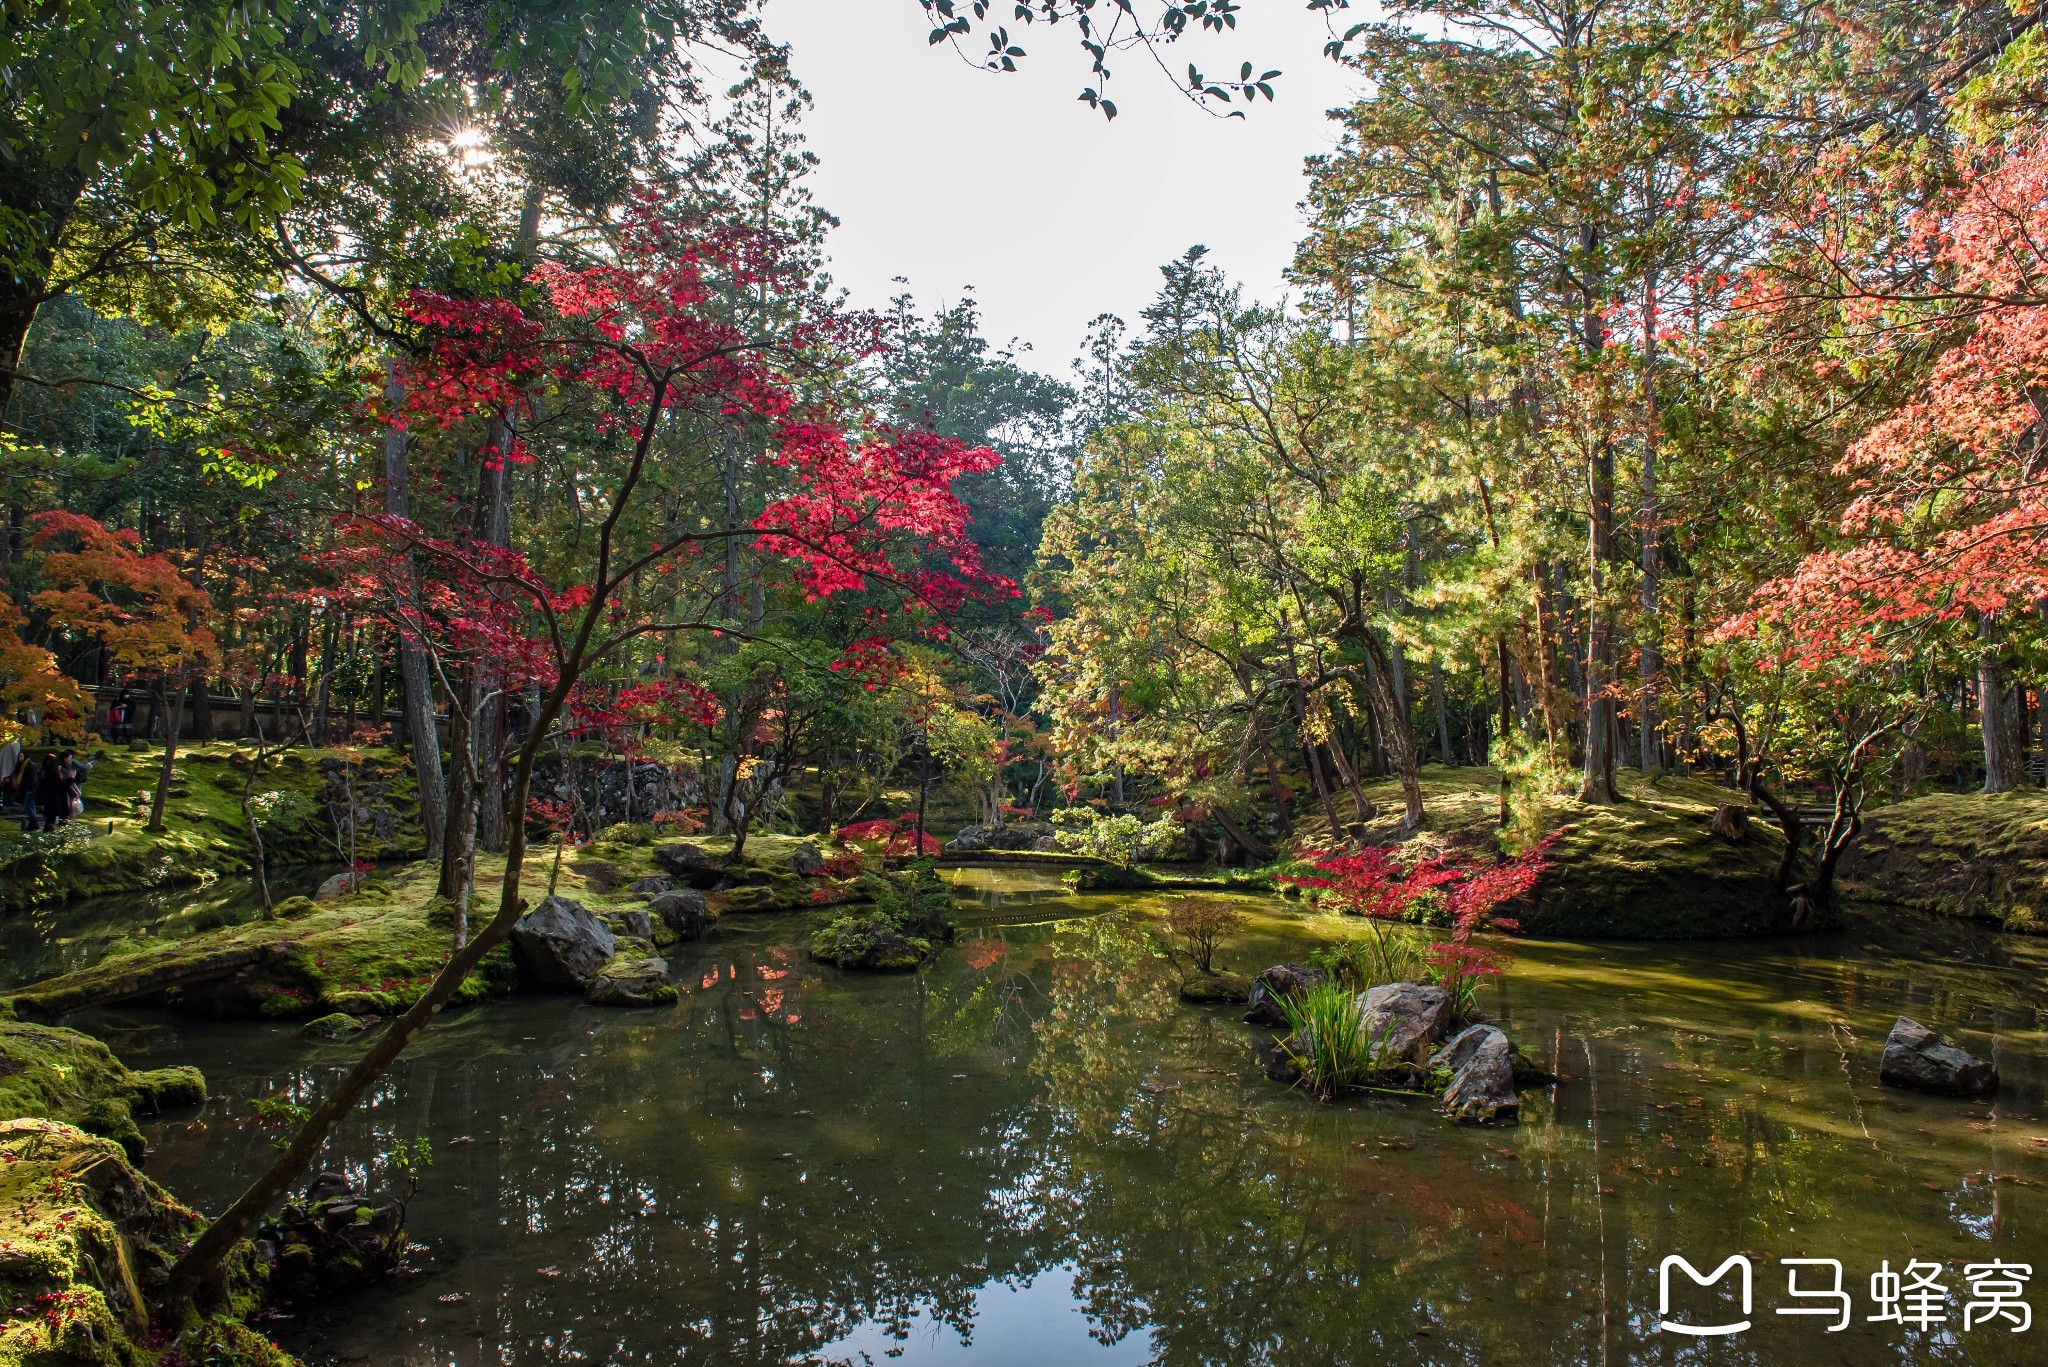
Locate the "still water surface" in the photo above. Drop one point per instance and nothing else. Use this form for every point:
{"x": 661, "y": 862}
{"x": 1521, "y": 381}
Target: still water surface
{"x": 1034, "y": 1153}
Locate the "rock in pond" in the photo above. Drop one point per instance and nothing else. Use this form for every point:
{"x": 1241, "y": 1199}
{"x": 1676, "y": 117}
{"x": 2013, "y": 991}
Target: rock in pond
{"x": 1403, "y": 1020}
{"x": 684, "y": 911}
{"x": 1214, "y": 987}
{"x": 335, "y": 1239}
{"x": 1482, "y": 1089}
{"x": 560, "y": 944}
{"x": 692, "y": 865}
{"x": 628, "y": 981}
{"x": 652, "y": 886}
{"x": 1916, "y": 1057}
{"x": 335, "y": 1025}
{"x": 1281, "y": 980}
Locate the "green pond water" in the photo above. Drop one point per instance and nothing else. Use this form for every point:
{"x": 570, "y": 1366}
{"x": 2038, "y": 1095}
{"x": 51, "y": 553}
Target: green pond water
{"x": 1034, "y": 1153}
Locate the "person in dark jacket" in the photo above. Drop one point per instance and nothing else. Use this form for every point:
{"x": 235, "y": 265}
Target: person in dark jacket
{"x": 53, "y": 793}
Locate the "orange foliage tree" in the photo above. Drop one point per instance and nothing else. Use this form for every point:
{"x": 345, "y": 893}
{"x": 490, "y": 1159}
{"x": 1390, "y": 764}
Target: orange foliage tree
{"x": 139, "y": 609}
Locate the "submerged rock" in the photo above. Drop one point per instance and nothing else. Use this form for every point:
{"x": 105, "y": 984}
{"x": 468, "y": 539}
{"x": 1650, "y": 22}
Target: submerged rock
{"x": 1403, "y": 1020}
{"x": 632, "y": 981}
{"x": 684, "y": 911}
{"x": 1916, "y": 1057}
{"x": 1214, "y": 987}
{"x": 560, "y": 944}
{"x": 333, "y": 1026}
{"x": 692, "y": 865}
{"x": 1281, "y": 980}
{"x": 1482, "y": 1086}
{"x": 334, "y": 1239}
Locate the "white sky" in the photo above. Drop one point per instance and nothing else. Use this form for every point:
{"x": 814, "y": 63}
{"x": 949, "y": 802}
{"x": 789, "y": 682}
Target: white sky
{"x": 952, "y": 176}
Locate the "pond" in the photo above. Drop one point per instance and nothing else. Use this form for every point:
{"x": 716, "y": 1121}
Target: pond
{"x": 1033, "y": 1152}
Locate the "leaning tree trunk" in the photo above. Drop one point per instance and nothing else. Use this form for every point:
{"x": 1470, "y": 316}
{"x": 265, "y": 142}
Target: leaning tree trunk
{"x": 2004, "y": 756}
{"x": 1390, "y": 711}
{"x": 199, "y": 1269}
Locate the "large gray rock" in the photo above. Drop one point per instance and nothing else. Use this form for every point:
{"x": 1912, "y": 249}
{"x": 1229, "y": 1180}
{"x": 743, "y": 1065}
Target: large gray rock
{"x": 1017, "y": 835}
{"x": 1404, "y": 1020}
{"x": 560, "y": 944}
{"x": 1482, "y": 1089}
{"x": 639, "y": 924}
{"x": 808, "y": 861}
{"x": 692, "y": 865}
{"x": 625, "y": 981}
{"x": 340, "y": 885}
{"x": 1916, "y": 1057}
{"x": 1262, "y": 1005}
{"x": 683, "y": 911}
{"x": 653, "y": 885}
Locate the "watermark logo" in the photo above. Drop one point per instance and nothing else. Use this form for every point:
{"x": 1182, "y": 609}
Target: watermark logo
{"x": 1915, "y": 1297}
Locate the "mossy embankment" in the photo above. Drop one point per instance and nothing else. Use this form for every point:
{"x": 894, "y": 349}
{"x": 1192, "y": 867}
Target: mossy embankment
{"x": 86, "y": 1247}
{"x": 374, "y": 951}
{"x": 320, "y": 806}
{"x": 58, "y": 1074}
{"x": 1651, "y": 867}
{"x": 1648, "y": 867}
{"x": 1983, "y": 856}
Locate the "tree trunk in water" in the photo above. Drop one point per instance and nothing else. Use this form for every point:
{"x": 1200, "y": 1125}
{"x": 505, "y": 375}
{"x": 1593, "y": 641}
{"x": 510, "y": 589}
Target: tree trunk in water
{"x": 418, "y": 698}
{"x": 2004, "y": 766}
{"x": 199, "y": 1268}
{"x": 174, "y": 706}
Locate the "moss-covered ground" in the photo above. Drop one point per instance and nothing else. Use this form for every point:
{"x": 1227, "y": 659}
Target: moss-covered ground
{"x": 205, "y": 837}
{"x": 1648, "y": 867}
{"x": 86, "y": 1244}
{"x": 60, "y": 1074}
{"x": 374, "y": 951}
{"x": 1977, "y": 855}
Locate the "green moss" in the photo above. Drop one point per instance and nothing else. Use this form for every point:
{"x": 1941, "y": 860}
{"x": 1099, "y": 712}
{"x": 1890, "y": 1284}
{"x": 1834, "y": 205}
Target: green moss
{"x": 90, "y": 1241}
{"x": 1977, "y": 855}
{"x": 161, "y": 1087}
{"x": 204, "y": 836}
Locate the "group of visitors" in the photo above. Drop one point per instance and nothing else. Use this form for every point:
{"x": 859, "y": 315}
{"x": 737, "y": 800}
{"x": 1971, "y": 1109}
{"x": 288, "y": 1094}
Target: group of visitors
{"x": 49, "y": 793}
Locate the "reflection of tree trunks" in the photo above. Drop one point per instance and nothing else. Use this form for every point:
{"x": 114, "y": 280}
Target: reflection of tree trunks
{"x": 418, "y": 696}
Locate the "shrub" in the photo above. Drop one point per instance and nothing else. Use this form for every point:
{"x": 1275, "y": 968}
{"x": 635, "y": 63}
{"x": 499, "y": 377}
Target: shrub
{"x": 1199, "y": 924}
{"x": 1119, "y": 840}
{"x": 1385, "y": 956}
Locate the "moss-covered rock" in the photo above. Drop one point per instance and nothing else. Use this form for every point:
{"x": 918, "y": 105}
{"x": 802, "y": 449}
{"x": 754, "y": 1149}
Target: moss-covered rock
{"x": 1977, "y": 855}
{"x": 88, "y": 1243}
{"x": 1215, "y": 988}
{"x": 53, "y": 1073}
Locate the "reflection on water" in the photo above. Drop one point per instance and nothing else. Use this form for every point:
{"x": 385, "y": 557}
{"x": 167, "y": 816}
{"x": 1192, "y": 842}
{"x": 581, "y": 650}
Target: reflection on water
{"x": 1034, "y": 1153}
{"x": 45, "y": 941}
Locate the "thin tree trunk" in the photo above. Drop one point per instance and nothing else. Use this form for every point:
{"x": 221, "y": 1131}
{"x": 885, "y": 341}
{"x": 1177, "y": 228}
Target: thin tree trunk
{"x": 1443, "y": 718}
{"x": 174, "y": 706}
{"x": 418, "y": 699}
{"x": 2004, "y": 766}
{"x": 1651, "y": 751}
{"x": 1391, "y": 712}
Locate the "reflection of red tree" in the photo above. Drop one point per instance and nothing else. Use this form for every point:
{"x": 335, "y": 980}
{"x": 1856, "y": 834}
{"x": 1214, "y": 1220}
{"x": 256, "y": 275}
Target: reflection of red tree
{"x": 983, "y": 953}
{"x": 1444, "y": 1199}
